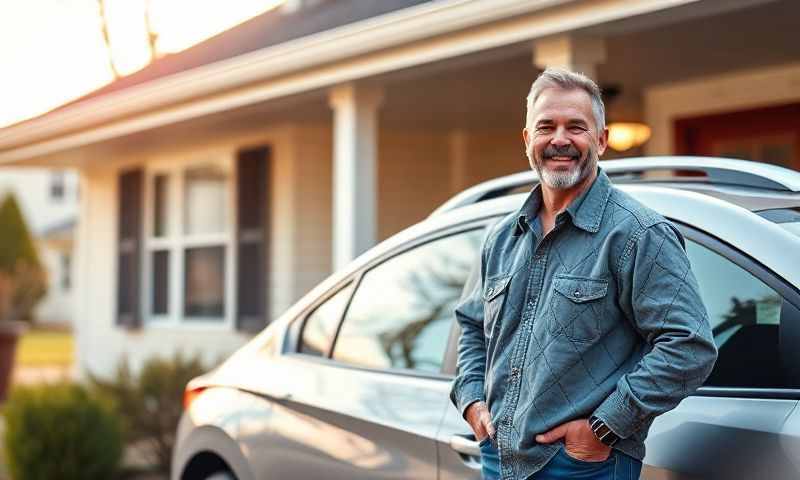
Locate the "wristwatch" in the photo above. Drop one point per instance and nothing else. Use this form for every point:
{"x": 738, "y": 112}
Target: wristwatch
{"x": 603, "y": 432}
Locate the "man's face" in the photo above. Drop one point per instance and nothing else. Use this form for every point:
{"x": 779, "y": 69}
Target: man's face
{"x": 562, "y": 142}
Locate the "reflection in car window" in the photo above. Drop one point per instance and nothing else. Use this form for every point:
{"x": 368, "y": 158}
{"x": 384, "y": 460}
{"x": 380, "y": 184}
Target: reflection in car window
{"x": 320, "y": 326}
{"x": 745, "y": 316}
{"x": 401, "y": 313}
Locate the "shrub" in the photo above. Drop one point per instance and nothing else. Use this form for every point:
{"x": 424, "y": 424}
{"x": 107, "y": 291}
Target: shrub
{"x": 60, "y": 431}
{"x": 151, "y": 403}
{"x": 23, "y": 280}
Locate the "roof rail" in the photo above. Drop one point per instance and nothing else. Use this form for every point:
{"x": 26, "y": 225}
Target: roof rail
{"x": 718, "y": 171}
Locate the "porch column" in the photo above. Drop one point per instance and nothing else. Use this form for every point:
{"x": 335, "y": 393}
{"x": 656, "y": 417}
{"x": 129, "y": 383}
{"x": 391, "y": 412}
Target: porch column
{"x": 576, "y": 53}
{"x": 355, "y": 151}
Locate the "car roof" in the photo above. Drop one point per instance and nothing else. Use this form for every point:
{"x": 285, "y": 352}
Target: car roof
{"x": 727, "y": 221}
{"x": 747, "y": 183}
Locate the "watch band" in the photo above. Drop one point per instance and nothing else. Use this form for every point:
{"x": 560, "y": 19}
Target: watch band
{"x": 603, "y": 432}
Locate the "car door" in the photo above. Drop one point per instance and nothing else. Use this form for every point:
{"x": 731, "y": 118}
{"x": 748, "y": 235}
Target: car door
{"x": 736, "y": 425}
{"x": 370, "y": 405}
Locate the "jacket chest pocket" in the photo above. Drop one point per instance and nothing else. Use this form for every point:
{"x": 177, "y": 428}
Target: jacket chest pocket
{"x": 576, "y": 305}
{"x": 494, "y": 297}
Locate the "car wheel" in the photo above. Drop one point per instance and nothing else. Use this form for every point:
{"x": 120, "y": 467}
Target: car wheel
{"x": 221, "y": 476}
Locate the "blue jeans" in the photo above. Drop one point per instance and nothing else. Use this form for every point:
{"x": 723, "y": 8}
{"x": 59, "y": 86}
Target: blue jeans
{"x": 618, "y": 466}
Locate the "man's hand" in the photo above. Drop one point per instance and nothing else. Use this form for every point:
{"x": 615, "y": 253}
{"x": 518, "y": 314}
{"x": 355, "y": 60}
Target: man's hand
{"x": 480, "y": 420}
{"x": 579, "y": 441}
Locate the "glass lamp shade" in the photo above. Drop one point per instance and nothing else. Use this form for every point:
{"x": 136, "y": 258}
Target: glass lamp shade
{"x": 626, "y": 135}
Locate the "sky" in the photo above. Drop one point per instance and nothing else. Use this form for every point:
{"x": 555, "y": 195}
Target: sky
{"x": 52, "y": 51}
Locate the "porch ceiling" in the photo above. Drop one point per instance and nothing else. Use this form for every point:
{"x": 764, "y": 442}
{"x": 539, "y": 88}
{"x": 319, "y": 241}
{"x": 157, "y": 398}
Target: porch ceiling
{"x": 487, "y": 90}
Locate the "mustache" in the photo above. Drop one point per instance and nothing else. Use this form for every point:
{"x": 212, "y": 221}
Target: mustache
{"x": 563, "y": 151}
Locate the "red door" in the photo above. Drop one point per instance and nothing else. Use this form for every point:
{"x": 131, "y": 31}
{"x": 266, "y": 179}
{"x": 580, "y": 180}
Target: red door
{"x": 770, "y": 135}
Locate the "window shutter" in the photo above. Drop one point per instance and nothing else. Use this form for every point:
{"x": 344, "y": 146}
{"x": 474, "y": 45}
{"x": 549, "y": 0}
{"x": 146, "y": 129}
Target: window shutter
{"x": 252, "y": 239}
{"x": 129, "y": 248}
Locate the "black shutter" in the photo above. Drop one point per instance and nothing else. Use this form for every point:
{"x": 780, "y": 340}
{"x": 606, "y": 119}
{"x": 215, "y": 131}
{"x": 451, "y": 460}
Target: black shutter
{"x": 252, "y": 238}
{"x": 129, "y": 248}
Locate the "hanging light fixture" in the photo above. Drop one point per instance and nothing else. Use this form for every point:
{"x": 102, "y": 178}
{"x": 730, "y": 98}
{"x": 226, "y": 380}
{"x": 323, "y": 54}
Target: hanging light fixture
{"x": 626, "y": 135}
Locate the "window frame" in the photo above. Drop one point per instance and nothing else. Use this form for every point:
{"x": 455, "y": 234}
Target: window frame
{"x": 293, "y": 350}
{"x": 177, "y": 242}
{"x": 303, "y": 318}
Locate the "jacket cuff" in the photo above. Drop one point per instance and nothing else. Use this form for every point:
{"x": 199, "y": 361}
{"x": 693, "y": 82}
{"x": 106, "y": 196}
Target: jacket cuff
{"x": 617, "y": 416}
{"x": 466, "y": 394}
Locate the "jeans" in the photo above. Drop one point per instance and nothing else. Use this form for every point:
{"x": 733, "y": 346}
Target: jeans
{"x": 490, "y": 460}
{"x": 618, "y": 466}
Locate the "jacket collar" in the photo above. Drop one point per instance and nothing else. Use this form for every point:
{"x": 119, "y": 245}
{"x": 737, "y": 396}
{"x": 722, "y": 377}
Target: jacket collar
{"x": 586, "y": 210}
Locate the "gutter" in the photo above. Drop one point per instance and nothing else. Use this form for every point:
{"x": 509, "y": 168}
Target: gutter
{"x": 377, "y": 45}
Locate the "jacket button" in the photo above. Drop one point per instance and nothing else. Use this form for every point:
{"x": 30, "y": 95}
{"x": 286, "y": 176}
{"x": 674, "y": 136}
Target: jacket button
{"x": 577, "y": 293}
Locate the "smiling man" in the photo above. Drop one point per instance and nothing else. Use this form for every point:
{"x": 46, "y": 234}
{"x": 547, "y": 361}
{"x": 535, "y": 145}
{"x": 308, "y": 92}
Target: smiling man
{"x": 586, "y": 322}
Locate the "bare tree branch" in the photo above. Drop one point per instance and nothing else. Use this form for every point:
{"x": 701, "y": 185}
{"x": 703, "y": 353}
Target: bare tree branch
{"x": 106, "y": 38}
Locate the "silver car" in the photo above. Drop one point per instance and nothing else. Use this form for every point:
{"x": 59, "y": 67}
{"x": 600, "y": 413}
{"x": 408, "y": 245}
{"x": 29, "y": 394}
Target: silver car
{"x": 352, "y": 382}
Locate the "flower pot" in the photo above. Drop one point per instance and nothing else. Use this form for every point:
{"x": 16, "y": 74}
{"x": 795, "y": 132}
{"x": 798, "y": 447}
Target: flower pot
{"x": 9, "y": 334}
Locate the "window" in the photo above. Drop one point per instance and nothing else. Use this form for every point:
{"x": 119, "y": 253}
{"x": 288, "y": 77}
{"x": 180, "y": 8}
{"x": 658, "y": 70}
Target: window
{"x": 402, "y": 310}
{"x": 745, "y": 317}
{"x": 188, "y": 244}
{"x": 57, "y": 186}
{"x": 320, "y": 325}
{"x": 66, "y": 271}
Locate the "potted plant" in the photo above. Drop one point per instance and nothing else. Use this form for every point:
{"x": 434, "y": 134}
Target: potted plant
{"x": 23, "y": 282}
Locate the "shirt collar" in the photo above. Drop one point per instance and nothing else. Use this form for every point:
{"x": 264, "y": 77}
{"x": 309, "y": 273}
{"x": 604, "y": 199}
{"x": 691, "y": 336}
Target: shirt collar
{"x": 586, "y": 210}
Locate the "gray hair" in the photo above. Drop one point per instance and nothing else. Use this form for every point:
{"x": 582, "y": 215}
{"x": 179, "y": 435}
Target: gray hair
{"x": 564, "y": 79}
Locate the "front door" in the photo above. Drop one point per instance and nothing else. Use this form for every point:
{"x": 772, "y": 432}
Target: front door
{"x": 770, "y": 135}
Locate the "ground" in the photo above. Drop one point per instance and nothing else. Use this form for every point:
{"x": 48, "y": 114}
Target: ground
{"x": 44, "y": 356}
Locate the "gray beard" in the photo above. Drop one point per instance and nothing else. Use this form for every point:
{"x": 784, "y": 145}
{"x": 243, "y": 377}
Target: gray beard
{"x": 562, "y": 180}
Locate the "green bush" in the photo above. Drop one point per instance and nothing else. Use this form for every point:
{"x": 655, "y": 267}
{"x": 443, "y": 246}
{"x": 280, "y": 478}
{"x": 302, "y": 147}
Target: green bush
{"x": 23, "y": 280}
{"x": 151, "y": 403}
{"x": 60, "y": 431}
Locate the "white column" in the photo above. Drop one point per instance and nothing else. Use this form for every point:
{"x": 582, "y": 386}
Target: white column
{"x": 576, "y": 53}
{"x": 355, "y": 152}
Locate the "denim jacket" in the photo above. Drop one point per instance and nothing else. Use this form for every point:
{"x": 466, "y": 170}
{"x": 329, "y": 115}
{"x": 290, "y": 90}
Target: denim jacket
{"x": 602, "y": 316}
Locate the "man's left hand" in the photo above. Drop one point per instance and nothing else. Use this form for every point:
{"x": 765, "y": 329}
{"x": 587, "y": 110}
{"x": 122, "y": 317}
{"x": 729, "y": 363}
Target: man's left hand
{"x": 579, "y": 441}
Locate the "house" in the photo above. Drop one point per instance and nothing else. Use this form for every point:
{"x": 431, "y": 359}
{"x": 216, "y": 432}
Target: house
{"x": 49, "y": 203}
{"x": 221, "y": 183}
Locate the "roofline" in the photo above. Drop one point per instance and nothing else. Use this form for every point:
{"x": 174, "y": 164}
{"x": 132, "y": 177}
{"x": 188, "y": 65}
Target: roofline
{"x": 361, "y": 49}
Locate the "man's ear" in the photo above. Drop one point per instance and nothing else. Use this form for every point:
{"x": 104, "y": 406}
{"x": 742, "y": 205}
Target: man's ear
{"x": 602, "y": 142}
{"x": 525, "y": 136}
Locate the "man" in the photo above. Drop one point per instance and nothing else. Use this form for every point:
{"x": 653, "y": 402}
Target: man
{"x": 586, "y": 322}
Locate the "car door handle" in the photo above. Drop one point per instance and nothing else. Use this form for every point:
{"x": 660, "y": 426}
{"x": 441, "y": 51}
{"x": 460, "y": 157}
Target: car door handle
{"x": 464, "y": 445}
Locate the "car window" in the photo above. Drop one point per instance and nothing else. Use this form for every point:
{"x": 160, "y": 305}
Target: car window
{"x": 401, "y": 312}
{"x": 320, "y": 325}
{"x": 745, "y": 318}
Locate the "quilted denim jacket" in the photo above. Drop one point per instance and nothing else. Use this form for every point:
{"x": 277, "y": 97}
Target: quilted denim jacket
{"x": 602, "y": 317}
